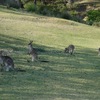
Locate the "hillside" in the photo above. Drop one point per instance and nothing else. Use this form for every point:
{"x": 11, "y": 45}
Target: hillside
{"x": 63, "y": 77}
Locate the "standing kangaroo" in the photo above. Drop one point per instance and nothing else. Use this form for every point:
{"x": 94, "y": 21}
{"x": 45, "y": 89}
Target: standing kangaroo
{"x": 6, "y": 62}
{"x": 32, "y": 51}
{"x": 70, "y": 49}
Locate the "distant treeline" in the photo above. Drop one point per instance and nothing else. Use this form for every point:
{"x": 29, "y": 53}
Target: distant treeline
{"x": 21, "y": 3}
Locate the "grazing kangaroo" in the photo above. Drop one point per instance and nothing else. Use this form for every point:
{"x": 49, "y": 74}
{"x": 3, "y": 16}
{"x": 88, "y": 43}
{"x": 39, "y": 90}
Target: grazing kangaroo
{"x": 6, "y": 62}
{"x": 32, "y": 51}
{"x": 70, "y": 49}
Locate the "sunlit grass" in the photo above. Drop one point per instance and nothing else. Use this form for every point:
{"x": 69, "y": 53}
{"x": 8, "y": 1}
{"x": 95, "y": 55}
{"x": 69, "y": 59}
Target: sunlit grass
{"x": 63, "y": 77}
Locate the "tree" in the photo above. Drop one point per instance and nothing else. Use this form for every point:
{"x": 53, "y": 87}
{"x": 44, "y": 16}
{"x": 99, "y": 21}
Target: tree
{"x": 19, "y": 3}
{"x": 35, "y": 2}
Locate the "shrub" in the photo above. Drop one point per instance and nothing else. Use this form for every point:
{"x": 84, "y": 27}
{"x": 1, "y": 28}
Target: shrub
{"x": 12, "y": 3}
{"x": 41, "y": 9}
{"x": 49, "y": 10}
{"x": 30, "y": 7}
{"x": 65, "y": 15}
{"x": 93, "y": 16}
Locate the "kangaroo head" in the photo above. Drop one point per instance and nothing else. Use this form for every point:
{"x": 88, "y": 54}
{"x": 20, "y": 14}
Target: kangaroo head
{"x": 66, "y": 50}
{"x": 30, "y": 43}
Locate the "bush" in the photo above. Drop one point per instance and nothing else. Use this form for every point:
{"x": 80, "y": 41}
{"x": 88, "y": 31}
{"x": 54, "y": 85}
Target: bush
{"x": 49, "y": 10}
{"x": 93, "y": 16}
{"x": 65, "y": 15}
{"x": 41, "y": 9}
{"x": 12, "y": 3}
{"x": 30, "y": 7}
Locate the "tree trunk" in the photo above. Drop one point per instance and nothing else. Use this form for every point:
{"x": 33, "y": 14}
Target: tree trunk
{"x": 35, "y": 2}
{"x": 19, "y": 3}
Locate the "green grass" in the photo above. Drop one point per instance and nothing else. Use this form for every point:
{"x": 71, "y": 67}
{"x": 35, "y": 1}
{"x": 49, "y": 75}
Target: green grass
{"x": 63, "y": 77}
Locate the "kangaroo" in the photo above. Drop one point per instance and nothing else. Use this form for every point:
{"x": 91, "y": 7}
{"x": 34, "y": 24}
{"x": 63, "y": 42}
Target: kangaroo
{"x": 32, "y": 51}
{"x": 6, "y": 62}
{"x": 70, "y": 49}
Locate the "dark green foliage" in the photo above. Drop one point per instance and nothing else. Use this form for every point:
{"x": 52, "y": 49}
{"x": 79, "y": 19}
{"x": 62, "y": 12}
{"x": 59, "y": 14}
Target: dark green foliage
{"x": 65, "y": 15}
{"x": 56, "y": 10}
{"x": 43, "y": 9}
{"x": 93, "y": 16}
{"x": 12, "y": 3}
{"x": 50, "y": 10}
{"x": 2, "y": 2}
{"x": 30, "y": 6}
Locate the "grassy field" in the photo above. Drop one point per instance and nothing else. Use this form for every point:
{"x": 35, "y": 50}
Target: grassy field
{"x": 63, "y": 77}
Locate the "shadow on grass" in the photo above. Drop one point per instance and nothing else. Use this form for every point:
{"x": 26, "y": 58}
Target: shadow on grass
{"x": 83, "y": 58}
{"x": 63, "y": 77}
{"x": 11, "y": 42}
{"x": 51, "y": 57}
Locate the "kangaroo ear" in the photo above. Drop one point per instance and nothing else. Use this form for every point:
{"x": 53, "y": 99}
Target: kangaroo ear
{"x": 30, "y": 42}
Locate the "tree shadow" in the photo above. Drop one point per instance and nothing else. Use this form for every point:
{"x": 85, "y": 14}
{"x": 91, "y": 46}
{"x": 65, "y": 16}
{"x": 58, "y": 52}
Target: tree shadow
{"x": 11, "y": 42}
{"x": 72, "y": 77}
{"x": 83, "y": 56}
